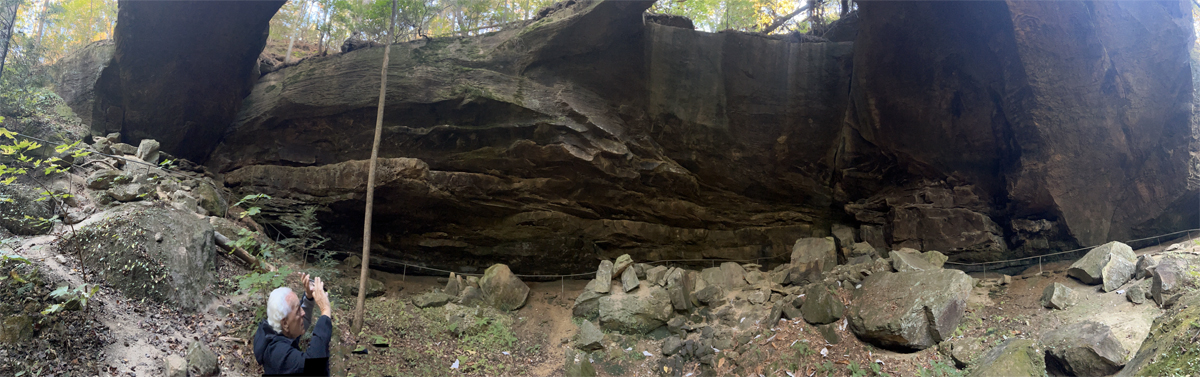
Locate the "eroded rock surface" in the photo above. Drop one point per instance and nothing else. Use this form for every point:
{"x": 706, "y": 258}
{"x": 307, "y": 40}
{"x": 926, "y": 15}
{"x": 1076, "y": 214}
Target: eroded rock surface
{"x": 1084, "y": 349}
{"x": 1012, "y": 358}
{"x": 922, "y": 314}
{"x": 150, "y": 251}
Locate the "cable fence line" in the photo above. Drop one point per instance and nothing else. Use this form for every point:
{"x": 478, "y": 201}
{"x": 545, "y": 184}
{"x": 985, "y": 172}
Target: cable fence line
{"x": 1065, "y": 252}
{"x": 556, "y": 276}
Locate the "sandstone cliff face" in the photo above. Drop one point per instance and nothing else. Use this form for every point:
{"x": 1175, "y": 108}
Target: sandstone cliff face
{"x": 984, "y": 130}
{"x": 545, "y": 165}
{"x": 1072, "y": 114}
{"x": 178, "y": 72}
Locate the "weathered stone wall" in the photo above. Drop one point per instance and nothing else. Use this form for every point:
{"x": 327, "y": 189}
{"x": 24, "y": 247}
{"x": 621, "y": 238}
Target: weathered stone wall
{"x": 985, "y": 130}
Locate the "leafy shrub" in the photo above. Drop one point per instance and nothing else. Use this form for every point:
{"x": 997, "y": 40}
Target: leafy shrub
{"x": 254, "y": 282}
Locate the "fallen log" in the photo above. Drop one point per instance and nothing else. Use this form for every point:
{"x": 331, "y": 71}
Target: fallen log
{"x": 226, "y": 244}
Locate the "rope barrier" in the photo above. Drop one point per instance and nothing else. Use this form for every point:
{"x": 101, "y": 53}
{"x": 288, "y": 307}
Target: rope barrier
{"x": 406, "y": 265}
{"x": 1039, "y": 257}
{"x": 563, "y": 276}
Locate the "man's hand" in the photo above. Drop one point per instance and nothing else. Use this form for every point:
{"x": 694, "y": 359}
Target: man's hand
{"x": 322, "y": 299}
{"x": 307, "y": 282}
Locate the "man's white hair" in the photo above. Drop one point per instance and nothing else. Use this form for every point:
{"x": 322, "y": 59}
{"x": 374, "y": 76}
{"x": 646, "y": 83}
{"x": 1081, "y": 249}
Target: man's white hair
{"x": 278, "y": 307}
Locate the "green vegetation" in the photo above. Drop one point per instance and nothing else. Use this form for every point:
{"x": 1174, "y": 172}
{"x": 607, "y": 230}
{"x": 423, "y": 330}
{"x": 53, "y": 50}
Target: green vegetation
{"x": 801, "y": 349}
{"x": 878, "y": 370}
{"x": 73, "y": 299}
{"x": 940, "y": 369}
{"x": 307, "y": 238}
{"x": 425, "y": 342}
{"x": 251, "y": 200}
{"x": 263, "y": 281}
{"x": 855, "y": 370}
{"x": 24, "y": 157}
{"x": 1179, "y": 338}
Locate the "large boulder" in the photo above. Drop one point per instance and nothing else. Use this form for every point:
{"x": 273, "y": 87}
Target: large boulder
{"x": 924, "y": 313}
{"x": 1174, "y": 276}
{"x": 1111, "y": 264}
{"x": 210, "y": 199}
{"x": 1058, "y": 296}
{"x": 16, "y": 329}
{"x": 1084, "y": 349}
{"x": 148, "y": 251}
{"x": 589, "y": 337}
{"x": 823, "y": 251}
{"x": 680, "y": 283}
{"x": 587, "y": 305}
{"x": 103, "y": 179}
{"x": 604, "y": 275}
{"x": 729, "y": 276}
{"x": 201, "y": 361}
{"x": 908, "y": 260}
{"x": 175, "y": 366}
{"x": 21, "y": 211}
{"x": 433, "y": 300}
{"x": 821, "y": 306}
{"x": 1012, "y": 358}
{"x": 375, "y": 288}
{"x": 503, "y": 289}
{"x": 636, "y": 312}
{"x": 624, "y": 261}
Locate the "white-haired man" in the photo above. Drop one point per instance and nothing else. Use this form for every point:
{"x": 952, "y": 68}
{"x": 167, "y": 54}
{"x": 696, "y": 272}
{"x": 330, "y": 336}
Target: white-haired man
{"x": 277, "y": 341}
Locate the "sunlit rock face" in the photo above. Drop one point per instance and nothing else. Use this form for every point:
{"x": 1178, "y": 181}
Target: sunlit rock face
{"x": 984, "y": 130}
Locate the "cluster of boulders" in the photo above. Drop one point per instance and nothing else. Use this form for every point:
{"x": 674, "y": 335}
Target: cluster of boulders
{"x": 720, "y": 309}
{"x": 138, "y": 175}
{"x": 1086, "y": 347}
{"x": 1115, "y": 267}
{"x": 498, "y": 288}
{"x": 162, "y": 252}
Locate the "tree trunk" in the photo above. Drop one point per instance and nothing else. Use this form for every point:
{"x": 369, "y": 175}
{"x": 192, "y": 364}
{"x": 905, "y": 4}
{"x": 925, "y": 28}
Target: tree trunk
{"x": 783, "y": 20}
{"x": 366, "y": 249}
{"x": 42, "y": 22}
{"x": 303, "y": 16}
{"x": 325, "y": 30}
{"x": 8, "y": 17}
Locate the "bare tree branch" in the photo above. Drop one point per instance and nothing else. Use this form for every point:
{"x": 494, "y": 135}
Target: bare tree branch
{"x": 783, "y": 20}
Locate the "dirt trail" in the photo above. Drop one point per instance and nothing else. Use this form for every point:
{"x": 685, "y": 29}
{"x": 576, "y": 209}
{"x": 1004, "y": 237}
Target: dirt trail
{"x": 550, "y": 304}
{"x": 144, "y": 333}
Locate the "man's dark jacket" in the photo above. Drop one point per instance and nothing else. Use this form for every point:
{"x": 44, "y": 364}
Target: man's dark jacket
{"x": 281, "y": 355}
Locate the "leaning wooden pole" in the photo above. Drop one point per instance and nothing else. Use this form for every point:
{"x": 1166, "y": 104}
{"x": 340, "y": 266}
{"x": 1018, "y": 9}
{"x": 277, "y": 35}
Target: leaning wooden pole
{"x": 366, "y": 249}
